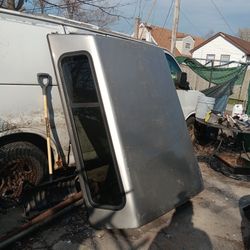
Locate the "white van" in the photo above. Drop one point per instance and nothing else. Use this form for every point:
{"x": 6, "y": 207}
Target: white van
{"x": 25, "y": 51}
{"x": 188, "y": 98}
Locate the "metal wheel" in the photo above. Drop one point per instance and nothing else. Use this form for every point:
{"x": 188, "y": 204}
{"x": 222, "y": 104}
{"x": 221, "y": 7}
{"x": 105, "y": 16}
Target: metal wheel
{"x": 21, "y": 163}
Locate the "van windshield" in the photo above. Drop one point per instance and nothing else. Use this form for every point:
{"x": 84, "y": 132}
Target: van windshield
{"x": 173, "y": 66}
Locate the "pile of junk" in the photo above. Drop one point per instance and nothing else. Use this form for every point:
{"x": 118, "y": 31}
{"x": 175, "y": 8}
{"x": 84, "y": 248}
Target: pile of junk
{"x": 212, "y": 111}
{"x": 224, "y": 131}
{"x": 224, "y": 137}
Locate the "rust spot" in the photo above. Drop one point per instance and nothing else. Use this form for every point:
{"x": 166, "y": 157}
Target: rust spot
{"x": 5, "y": 126}
{"x": 59, "y": 162}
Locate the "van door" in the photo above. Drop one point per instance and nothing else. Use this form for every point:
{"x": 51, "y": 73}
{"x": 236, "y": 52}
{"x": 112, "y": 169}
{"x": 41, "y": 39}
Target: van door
{"x": 129, "y": 138}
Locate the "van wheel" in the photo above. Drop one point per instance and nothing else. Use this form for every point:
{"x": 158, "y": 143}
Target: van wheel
{"x": 191, "y": 129}
{"x": 20, "y": 163}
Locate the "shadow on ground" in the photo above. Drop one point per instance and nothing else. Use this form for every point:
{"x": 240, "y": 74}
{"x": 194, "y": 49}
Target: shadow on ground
{"x": 181, "y": 234}
{"x": 244, "y": 206}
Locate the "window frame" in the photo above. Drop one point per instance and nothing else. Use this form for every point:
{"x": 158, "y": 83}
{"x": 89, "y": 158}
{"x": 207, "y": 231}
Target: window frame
{"x": 209, "y": 60}
{"x": 223, "y": 61}
{"x": 70, "y": 104}
{"x": 170, "y": 58}
{"x": 187, "y": 45}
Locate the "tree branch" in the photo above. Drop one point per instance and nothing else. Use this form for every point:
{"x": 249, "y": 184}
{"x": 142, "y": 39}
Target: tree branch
{"x": 94, "y": 11}
{"x": 104, "y": 9}
{"x": 1, "y": 3}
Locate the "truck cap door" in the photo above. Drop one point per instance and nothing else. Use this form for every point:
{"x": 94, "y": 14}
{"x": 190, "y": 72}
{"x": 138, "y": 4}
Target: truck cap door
{"x": 128, "y": 134}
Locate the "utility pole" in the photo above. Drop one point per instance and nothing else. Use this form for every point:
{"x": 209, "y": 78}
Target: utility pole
{"x": 42, "y": 6}
{"x": 175, "y": 24}
{"x": 136, "y": 28}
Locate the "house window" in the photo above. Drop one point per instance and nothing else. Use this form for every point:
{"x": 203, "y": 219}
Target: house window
{"x": 224, "y": 59}
{"x": 210, "y": 57}
{"x": 187, "y": 45}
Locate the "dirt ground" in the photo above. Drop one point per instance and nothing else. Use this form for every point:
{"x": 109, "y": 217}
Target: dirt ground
{"x": 212, "y": 220}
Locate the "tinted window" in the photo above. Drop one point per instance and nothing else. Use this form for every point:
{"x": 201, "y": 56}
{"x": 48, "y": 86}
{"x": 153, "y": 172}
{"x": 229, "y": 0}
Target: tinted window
{"x": 173, "y": 66}
{"x": 77, "y": 72}
{"x": 96, "y": 150}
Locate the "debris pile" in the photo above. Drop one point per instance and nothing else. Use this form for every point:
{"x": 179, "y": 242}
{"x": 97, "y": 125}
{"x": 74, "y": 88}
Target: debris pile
{"x": 237, "y": 120}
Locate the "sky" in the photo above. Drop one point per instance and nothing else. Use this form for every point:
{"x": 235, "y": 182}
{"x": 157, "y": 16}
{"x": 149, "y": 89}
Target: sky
{"x": 197, "y": 17}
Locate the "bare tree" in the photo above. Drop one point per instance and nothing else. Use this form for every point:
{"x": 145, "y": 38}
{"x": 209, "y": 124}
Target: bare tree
{"x": 42, "y": 5}
{"x": 100, "y": 12}
{"x": 72, "y": 7}
{"x": 35, "y": 6}
{"x": 12, "y": 4}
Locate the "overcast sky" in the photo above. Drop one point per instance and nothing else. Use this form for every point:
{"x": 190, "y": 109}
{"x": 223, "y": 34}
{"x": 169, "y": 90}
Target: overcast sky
{"x": 197, "y": 17}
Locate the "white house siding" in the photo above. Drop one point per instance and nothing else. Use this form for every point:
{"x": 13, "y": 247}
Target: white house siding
{"x": 219, "y": 46}
{"x": 144, "y": 34}
{"x": 181, "y": 45}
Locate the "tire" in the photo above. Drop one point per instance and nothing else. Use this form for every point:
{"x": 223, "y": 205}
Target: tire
{"x": 21, "y": 162}
{"x": 191, "y": 128}
{"x": 204, "y": 134}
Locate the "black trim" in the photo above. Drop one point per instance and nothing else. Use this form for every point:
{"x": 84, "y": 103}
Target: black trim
{"x": 85, "y": 105}
{"x": 69, "y": 104}
{"x": 24, "y": 84}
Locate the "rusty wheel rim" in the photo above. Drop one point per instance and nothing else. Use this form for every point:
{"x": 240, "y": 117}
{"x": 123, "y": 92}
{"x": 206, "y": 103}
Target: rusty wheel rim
{"x": 14, "y": 175}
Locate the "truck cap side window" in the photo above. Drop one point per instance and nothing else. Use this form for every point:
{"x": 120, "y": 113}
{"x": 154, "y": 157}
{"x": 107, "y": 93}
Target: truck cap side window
{"x": 103, "y": 182}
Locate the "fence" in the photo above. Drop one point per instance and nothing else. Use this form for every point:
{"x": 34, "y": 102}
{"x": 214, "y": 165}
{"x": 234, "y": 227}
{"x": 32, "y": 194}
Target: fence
{"x": 240, "y": 92}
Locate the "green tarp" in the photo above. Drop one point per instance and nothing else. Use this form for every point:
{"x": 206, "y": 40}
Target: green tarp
{"x": 248, "y": 103}
{"x": 216, "y": 74}
{"x": 223, "y": 77}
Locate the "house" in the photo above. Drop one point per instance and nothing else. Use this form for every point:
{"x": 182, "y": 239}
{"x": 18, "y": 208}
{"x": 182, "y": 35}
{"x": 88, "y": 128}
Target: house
{"x": 222, "y": 48}
{"x": 162, "y": 37}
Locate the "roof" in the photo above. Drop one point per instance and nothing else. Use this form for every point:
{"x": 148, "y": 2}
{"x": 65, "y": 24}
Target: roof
{"x": 163, "y": 37}
{"x": 236, "y": 41}
{"x": 62, "y": 21}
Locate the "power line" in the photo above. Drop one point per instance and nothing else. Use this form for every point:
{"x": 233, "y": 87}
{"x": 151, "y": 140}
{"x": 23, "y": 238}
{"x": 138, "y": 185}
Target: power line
{"x": 224, "y": 19}
{"x": 51, "y": 6}
{"x": 192, "y": 25}
{"x": 105, "y": 9}
{"x": 62, "y": 6}
{"x": 168, "y": 14}
{"x": 151, "y": 10}
{"x": 149, "y": 15}
{"x": 135, "y": 9}
{"x": 143, "y": 8}
{"x": 166, "y": 19}
{"x": 140, "y": 8}
{"x": 131, "y": 25}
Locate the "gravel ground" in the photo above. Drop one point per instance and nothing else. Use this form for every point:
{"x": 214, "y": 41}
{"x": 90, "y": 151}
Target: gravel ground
{"x": 212, "y": 220}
